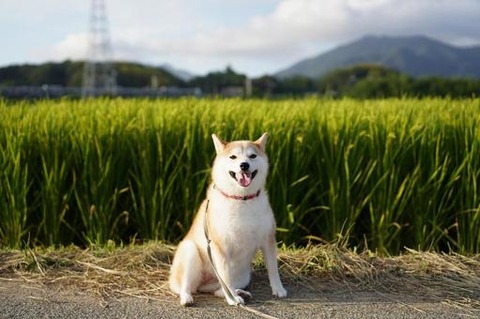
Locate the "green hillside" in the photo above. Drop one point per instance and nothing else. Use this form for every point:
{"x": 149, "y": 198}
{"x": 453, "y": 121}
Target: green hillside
{"x": 416, "y": 56}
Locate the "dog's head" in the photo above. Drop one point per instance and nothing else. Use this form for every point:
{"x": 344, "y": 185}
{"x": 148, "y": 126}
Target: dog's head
{"x": 240, "y": 165}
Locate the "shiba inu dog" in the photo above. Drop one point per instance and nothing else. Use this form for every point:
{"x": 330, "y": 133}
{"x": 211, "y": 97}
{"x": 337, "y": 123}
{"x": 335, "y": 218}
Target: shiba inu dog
{"x": 237, "y": 219}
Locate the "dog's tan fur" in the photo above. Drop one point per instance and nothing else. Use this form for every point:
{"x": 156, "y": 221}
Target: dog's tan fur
{"x": 237, "y": 228}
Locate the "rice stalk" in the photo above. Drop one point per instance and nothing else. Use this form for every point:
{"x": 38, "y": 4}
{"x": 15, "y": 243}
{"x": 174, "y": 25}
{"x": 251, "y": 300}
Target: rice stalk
{"x": 384, "y": 174}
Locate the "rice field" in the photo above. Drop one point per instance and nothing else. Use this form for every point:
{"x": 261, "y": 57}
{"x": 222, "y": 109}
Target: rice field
{"x": 379, "y": 174}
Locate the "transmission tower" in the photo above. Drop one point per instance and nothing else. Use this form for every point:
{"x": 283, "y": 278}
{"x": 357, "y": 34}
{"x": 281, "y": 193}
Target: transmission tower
{"x": 99, "y": 76}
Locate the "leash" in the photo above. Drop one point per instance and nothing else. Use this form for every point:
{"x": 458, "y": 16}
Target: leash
{"x": 228, "y": 293}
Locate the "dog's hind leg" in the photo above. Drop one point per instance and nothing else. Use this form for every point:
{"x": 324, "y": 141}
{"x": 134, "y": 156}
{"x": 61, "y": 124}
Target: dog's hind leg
{"x": 186, "y": 273}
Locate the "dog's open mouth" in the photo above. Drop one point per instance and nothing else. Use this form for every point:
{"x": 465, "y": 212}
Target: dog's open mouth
{"x": 243, "y": 178}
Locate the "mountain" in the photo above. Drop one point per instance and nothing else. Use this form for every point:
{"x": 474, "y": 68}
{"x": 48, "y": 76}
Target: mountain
{"x": 417, "y": 56}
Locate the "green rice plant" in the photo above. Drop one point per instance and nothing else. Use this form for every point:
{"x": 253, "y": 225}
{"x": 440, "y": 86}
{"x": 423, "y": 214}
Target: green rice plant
{"x": 156, "y": 195}
{"x": 51, "y": 151}
{"x": 14, "y": 187}
{"x": 99, "y": 187}
{"x": 345, "y": 171}
{"x": 468, "y": 209}
{"x": 387, "y": 174}
{"x": 54, "y": 198}
{"x": 286, "y": 179}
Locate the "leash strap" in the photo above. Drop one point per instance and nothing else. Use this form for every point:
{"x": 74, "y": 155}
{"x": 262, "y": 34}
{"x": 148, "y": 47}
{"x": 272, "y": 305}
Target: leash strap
{"x": 226, "y": 290}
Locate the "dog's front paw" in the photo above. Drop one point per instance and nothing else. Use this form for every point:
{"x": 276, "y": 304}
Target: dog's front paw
{"x": 279, "y": 292}
{"x": 246, "y": 296}
{"x": 186, "y": 299}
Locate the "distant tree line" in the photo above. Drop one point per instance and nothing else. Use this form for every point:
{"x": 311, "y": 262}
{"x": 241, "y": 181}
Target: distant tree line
{"x": 360, "y": 81}
{"x": 373, "y": 81}
{"x": 69, "y": 74}
{"x": 367, "y": 81}
{"x": 216, "y": 83}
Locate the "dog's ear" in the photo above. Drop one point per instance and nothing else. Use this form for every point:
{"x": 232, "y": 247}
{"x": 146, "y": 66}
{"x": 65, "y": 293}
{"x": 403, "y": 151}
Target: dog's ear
{"x": 262, "y": 141}
{"x": 219, "y": 144}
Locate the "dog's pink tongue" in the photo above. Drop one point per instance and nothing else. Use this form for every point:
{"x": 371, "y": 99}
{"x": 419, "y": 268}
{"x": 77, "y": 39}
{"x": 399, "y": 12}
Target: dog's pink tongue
{"x": 245, "y": 179}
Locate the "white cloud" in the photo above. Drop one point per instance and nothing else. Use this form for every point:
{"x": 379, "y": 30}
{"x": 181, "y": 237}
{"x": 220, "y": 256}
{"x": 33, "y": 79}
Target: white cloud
{"x": 258, "y": 36}
{"x": 295, "y": 22}
{"x": 74, "y": 46}
{"x": 299, "y": 28}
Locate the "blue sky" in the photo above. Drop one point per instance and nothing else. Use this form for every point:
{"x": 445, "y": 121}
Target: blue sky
{"x": 253, "y": 36}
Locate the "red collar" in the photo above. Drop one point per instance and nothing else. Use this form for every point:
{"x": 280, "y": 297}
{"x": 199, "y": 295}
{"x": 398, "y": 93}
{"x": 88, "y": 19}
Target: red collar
{"x": 237, "y": 197}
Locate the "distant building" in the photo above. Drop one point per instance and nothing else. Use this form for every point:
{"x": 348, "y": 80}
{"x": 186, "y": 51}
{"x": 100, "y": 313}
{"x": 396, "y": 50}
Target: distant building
{"x": 232, "y": 91}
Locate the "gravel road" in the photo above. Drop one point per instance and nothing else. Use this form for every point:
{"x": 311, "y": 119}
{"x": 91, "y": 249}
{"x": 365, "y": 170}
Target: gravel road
{"x": 23, "y": 299}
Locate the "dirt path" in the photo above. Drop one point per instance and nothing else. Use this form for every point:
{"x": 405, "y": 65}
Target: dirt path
{"x": 322, "y": 298}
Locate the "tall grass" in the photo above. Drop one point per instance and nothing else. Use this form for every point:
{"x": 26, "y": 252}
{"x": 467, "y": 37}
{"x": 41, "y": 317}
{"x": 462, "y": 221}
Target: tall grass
{"x": 385, "y": 173}
{"x": 14, "y": 187}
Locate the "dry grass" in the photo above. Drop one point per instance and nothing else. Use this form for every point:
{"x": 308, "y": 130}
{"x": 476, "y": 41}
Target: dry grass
{"x": 447, "y": 278}
{"x": 142, "y": 271}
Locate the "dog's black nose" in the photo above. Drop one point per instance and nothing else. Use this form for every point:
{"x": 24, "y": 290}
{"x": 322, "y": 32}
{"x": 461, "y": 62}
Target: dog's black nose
{"x": 244, "y": 166}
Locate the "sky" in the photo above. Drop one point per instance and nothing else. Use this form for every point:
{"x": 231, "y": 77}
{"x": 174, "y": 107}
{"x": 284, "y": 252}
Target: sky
{"x": 254, "y": 37}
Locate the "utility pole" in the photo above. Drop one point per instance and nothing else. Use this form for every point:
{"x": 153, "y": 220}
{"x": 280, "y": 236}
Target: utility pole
{"x": 99, "y": 76}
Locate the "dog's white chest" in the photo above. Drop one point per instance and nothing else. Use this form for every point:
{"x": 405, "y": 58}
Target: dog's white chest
{"x": 240, "y": 224}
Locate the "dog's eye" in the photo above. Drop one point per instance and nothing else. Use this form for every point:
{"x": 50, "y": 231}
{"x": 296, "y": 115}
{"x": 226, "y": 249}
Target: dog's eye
{"x": 233, "y": 157}
{"x": 253, "y": 156}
